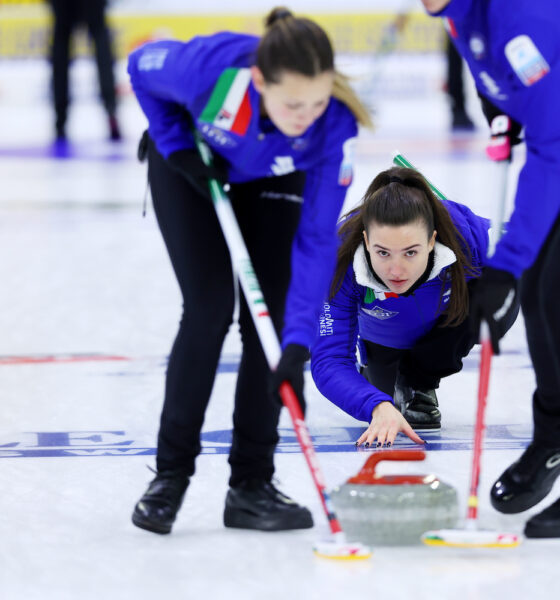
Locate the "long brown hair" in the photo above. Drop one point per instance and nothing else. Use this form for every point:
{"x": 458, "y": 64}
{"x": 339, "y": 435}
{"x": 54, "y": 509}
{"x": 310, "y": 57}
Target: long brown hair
{"x": 400, "y": 196}
{"x": 299, "y": 45}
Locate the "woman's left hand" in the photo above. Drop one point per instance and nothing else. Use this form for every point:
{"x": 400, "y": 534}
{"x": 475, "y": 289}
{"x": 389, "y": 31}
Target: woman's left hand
{"x": 386, "y": 422}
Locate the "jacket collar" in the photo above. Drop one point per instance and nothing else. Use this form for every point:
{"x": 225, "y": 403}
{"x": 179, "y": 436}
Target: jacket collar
{"x": 443, "y": 257}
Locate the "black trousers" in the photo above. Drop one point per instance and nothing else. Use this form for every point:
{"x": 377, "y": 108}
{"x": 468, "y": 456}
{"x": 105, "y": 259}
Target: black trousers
{"x": 455, "y": 84}
{"x": 540, "y": 290}
{"x": 202, "y": 264}
{"x": 439, "y": 353}
{"x": 68, "y": 14}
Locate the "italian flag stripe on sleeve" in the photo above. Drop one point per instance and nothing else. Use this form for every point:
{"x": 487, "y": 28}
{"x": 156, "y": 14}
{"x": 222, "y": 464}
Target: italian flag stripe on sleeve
{"x": 228, "y": 107}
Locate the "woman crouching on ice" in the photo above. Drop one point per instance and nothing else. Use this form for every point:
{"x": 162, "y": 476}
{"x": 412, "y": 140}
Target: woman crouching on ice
{"x": 400, "y": 294}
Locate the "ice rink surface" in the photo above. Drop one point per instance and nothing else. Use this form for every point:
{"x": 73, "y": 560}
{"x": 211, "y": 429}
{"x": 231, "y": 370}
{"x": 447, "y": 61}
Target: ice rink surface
{"x": 88, "y": 311}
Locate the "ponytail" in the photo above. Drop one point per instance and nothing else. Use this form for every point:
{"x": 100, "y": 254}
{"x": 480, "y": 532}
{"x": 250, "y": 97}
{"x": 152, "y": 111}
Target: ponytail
{"x": 343, "y": 91}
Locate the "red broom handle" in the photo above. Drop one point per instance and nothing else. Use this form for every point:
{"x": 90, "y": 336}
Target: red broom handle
{"x": 290, "y": 401}
{"x": 479, "y": 428}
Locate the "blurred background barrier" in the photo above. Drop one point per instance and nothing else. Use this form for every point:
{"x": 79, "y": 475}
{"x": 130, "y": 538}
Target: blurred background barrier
{"x": 25, "y": 27}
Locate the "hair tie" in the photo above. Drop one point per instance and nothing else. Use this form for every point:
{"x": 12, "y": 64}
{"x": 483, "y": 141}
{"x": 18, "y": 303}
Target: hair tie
{"x": 393, "y": 179}
{"x": 282, "y": 13}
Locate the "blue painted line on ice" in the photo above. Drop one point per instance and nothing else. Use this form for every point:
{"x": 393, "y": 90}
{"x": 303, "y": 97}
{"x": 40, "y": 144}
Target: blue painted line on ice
{"x": 48, "y": 444}
{"x": 70, "y": 151}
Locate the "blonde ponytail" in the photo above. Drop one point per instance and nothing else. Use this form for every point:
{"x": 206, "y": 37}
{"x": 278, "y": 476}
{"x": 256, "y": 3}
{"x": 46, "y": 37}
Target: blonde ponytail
{"x": 343, "y": 91}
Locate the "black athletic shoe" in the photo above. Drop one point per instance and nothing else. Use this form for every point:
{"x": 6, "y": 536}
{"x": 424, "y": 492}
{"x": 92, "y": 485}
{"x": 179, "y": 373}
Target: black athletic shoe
{"x": 546, "y": 524}
{"x": 527, "y": 481}
{"x": 422, "y": 411}
{"x": 257, "y": 504}
{"x": 158, "y": 507}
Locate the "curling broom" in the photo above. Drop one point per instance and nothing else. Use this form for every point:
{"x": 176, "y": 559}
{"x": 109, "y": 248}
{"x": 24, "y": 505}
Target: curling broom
{"x": 337, "y": 547}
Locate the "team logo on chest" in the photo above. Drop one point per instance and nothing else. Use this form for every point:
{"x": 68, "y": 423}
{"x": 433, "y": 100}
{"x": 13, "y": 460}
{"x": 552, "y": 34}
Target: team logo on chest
{"x": 377, "y": 311}
{"x": 282, "y": 165}
{"x": 380, "y": 313}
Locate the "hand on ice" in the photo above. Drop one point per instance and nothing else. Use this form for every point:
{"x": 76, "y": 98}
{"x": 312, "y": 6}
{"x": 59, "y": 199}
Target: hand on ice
{"x": 386, "y": 422}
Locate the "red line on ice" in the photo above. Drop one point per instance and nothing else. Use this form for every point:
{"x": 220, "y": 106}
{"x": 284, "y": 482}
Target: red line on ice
{"x": 69, "y": 358}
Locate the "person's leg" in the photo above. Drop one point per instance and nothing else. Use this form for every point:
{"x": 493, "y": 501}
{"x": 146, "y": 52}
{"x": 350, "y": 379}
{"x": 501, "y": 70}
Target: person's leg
{"x": 527, "y": 481}
{"x": 455, "y": 88}
{"x": 268, "y": 218}
{"x": 202, "y": 265}
{"x": 382, "y": 366}
{"x": 94, "y": 14}
{"x": 268, "y": 227}
{"x": 382, "y": 371}
{"x": 539, "y": 293}
{"x": 437, "y": 354}
{"x": 64, "y": 21}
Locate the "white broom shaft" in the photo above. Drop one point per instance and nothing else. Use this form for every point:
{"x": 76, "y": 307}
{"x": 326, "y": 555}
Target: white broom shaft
{"x": 497, "y": 222}
{"x": 291, "y": 403}
{"x": 244, "y": 269}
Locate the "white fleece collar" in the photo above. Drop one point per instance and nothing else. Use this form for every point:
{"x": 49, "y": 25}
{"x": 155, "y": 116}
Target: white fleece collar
{"x": 443, "y": 257}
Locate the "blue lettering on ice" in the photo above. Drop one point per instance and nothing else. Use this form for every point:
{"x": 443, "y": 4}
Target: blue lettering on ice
{"x": 45, "y": 444}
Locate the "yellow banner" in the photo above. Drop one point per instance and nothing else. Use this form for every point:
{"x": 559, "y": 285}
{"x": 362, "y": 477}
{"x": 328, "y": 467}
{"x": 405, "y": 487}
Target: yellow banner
{"x": 26, "y": 33}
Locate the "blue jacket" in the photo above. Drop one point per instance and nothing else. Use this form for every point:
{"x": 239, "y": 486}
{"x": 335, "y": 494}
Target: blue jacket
{"x": 363, "y": 307}
{"x": 513, "y": 51}
{"x": 210, "y": 78}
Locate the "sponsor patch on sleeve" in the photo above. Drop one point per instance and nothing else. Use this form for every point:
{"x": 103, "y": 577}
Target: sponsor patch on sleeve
{"x": 526, "y": 60}
{"x": 346, "y": 166}
{"x": 152, "y": 59}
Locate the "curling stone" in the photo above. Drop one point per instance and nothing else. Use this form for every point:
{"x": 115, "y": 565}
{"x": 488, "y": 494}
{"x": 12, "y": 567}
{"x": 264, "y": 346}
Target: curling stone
{"x": 393, "y": 510}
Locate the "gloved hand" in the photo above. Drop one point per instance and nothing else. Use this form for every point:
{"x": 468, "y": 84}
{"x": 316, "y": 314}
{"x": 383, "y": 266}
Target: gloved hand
{"x": 189, "y": 164}
{"x": 290, "y": 368}
{"x": 494, "y": 298}
{"x": 502, "y": 138}
{"x": 504, "y": 131}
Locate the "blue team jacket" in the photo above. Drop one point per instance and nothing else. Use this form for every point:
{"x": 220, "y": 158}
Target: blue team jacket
{"x": 513, "y": 51}
{"x": 364, "y": 307}
{"x": 209, "y": 77}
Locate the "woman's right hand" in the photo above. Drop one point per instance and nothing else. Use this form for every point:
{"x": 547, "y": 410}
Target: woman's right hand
{"x": 386, "y": 422}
